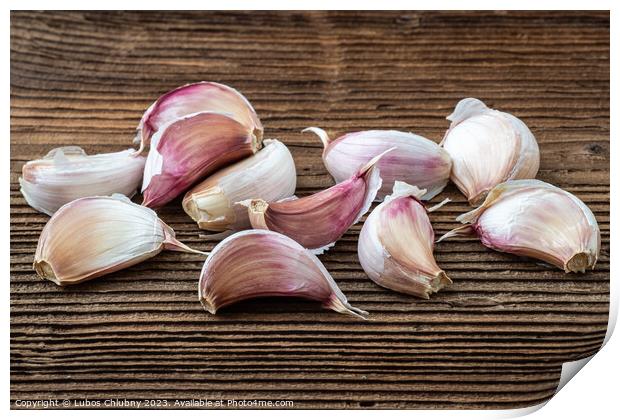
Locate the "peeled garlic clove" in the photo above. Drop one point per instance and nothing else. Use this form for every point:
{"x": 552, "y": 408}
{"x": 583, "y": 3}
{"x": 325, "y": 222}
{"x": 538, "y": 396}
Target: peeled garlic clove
{"x": 269, "y": 174}
{"x": 93, "y": 236}
{"x": 190, "y": 148}
{"x": 535, "y": 219}
{"x": 260, "y": 263}
{"x": 419, "y": 161}
{"x": 395, "y": 246}
{"x": 488, "y": 147}
{"x": 68, "y": 173}
{"x": 319, "y": 220}
{"x": 198, "y": 97}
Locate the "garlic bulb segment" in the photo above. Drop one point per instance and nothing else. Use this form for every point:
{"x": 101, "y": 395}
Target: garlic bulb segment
{"x": 269, "y": 174}
{"x": 419, "y": 161}
{"x": 395, "y": 246}
{"x": 534, "y": 219}
{"x": 319, "y": 220}
{"x": 198, "y": 97}
{"x": 190, "y": 148}
{"x": 488, "y": 147}
{"x": 260, "y": 263}
{"x": 68, "y": 173}
{"x": 93, "y": 236}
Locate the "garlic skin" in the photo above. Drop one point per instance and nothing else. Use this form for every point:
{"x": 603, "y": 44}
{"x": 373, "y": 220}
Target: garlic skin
{"x": 93, "y": 236}
{"x": 193, "y": 98}
{"x": 68, "y": 173}
{"x": 317, "y": 221}
{"x": 534, "y": 219}
{"x": 395, "y": 247}
{"x": 418, "y": 161}
{"x": 488, "y": 147}
{"x": 261, "y": 263}
{"x": 269, "y": 174}
{"x": 190, "y": 148}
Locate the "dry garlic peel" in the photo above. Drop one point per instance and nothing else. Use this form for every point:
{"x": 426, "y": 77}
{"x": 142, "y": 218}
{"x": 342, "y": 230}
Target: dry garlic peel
{"x": 93, "y": 236}
{"x": 68, "y": 173}
{"x": 190, "y": 148}
{"x": 535, "y": 219}
{"x": 488, "y": 147}
{"x": 260, "y": 263}
{"x": 395, "y": 246}
{"x": 419, "y": 161}
{"x": 269, "y": 174}
{"x": 198, "y": 97}
{"x": 319, "y": 220}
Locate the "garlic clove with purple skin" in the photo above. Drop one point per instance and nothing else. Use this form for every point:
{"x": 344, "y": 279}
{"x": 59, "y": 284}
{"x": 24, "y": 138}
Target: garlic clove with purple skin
{"x": 395, "y": 247}
{"x": 534, "y": 219}
{"x": 68, "y": 173}
{"x": 193, "y": 98}
{"x": 260, "y": 263}
{"x": 319, "y": 220}
{"x": 488, "y": 147}
{"x": 190, "y": 148}
{"x": 269, "y": 174}
{"x": 419, "y": 161}
{"x": 94, "y": 236}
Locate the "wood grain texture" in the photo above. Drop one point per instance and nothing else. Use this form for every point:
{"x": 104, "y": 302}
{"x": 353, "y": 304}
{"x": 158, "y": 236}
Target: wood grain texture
{"x": 495, "y": 339}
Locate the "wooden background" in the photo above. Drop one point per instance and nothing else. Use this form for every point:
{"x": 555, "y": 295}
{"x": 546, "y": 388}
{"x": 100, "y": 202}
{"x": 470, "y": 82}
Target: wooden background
{"x": 495, "y": 339}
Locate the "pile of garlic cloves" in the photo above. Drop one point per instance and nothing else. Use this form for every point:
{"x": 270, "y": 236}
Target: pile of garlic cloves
{"x": 205, "y": 144}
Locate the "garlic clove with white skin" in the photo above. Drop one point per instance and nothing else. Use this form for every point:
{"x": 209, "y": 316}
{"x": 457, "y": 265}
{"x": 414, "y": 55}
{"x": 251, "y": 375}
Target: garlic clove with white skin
{"x": 488, "y": 147}
{"x": 94, "y": 236}
{"x": 319, "y": 220}
{"x": 260, "y": 263}
{"x": 419, "y": 161}
{"x": 534, "y": 219}
{"x": 193, "y": 98}
{"x": 68, "y": 173}
{"x": 269, "y": 174}
{"x": 395, "y": 246}
{"x": 189, "y": 148}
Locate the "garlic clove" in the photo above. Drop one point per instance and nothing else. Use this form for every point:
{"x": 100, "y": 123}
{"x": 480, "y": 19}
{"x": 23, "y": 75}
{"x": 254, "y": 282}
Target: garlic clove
{"x": 419, "y": 161}
{"x": 319, "y": 220}
{"x": 198, "y": 97}
{"x": 68, "y": 173}
{"x": 93, "y": 236}
{"x": 488, "y": 147}
{"x": 260, "y": 263}
{"x": 395, "y": 246}
{"x": 269, "y": 174}
{"x": 190, "y": 148}
{"x": 534, "y": 219}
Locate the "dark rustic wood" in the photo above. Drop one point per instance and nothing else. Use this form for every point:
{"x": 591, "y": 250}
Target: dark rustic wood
{"x": 495, "y": 339}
